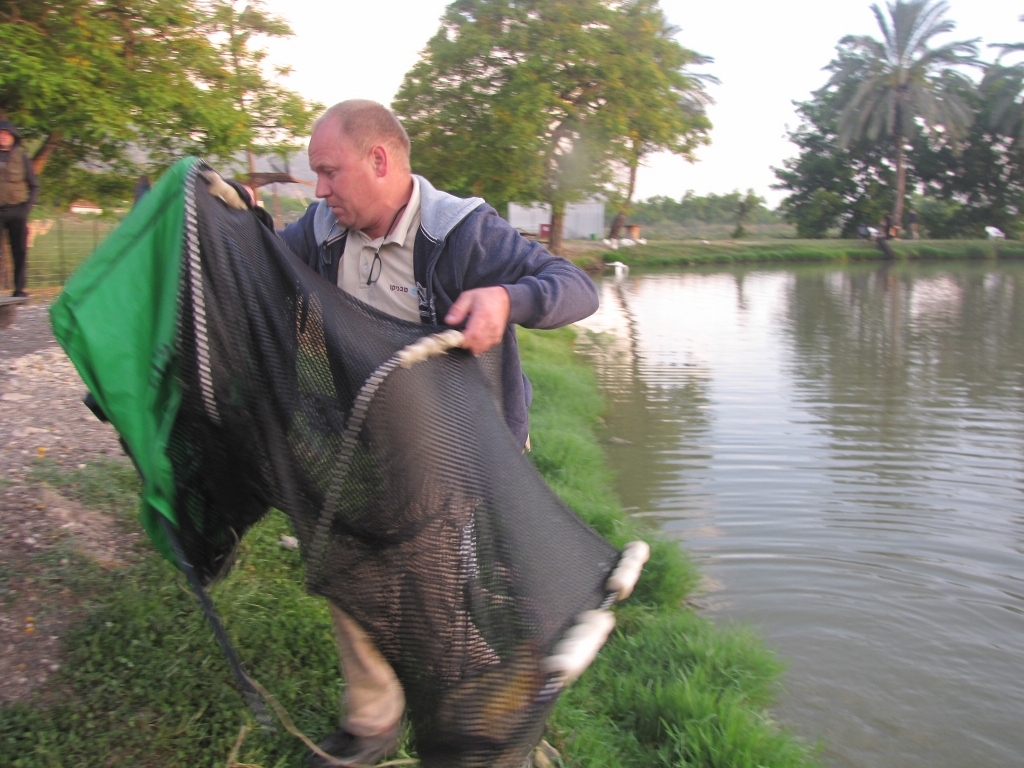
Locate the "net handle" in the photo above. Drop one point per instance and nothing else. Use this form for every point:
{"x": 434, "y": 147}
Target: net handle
{"x": 429, "y": 346}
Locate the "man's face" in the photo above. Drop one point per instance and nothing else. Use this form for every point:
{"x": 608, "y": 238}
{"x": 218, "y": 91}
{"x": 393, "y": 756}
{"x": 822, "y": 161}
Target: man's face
{"x": 345, "y": 177}
{"x": 6, "y": 140}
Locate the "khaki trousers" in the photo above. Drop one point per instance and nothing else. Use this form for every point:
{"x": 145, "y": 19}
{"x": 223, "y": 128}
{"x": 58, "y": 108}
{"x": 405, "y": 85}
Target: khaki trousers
{"x": 373, "y": 700}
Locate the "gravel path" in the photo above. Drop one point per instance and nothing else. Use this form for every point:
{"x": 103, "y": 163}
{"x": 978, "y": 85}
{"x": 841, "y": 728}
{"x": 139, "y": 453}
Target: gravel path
{"x": 30, "y": 332}
{"x": 42, "y": 416}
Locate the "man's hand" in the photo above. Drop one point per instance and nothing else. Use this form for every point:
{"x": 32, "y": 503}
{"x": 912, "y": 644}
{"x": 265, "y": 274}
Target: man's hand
{"x": 223, "y": 190}
{"x": 487, "y": 310}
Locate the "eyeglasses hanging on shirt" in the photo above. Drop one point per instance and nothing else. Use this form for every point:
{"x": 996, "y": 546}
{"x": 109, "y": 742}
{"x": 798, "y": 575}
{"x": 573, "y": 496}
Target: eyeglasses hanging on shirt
{"x": 377, "y": 263}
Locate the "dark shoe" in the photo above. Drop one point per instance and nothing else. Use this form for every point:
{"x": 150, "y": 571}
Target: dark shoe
{"x": 20, "y": 295}
{"x": 361, "y": 751}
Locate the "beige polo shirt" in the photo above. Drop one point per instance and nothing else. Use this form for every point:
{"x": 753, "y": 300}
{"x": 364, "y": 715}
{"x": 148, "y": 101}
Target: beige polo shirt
{"x": 394, "y": 292}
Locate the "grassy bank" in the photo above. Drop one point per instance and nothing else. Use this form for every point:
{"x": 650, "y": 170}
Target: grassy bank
{"x": 143, "y": 682}
{"x": 689, "y": 252}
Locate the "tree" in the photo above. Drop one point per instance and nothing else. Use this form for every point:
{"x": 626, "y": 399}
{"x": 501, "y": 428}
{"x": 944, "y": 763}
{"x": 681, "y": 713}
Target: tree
{"x": 666, "y": 113}
{"x": 1004, "y": 85}
{"x": 831, "y": 185}
{"x": 887, "y": 85}
{"x": 528, "y": 99}
{"x": 744, "y": 208}
{"x": 270, "y": 116}
{"x": 109, "y": 84}
{"x": 90, "y": 79}
{"x": 979, "y": 182}
{"x": 963, "y": 188}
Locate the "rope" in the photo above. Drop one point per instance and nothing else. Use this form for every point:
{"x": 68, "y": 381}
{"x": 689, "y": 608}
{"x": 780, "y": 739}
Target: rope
{"x": 289, "y": 726}
{"x": 254, "y": 693}
{"x": 252, "y": 698}
{"x": 195, "y": 279}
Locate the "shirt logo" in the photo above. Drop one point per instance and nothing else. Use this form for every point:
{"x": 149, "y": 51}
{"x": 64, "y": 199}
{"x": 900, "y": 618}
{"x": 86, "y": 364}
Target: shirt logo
{"x": 402, "y": 289}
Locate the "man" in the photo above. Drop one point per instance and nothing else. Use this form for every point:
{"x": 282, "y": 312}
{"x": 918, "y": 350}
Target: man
{"x": 889, "y": 226}
{"x": 18, "y": 192}
{"x": 392, "y": 240}
{"x": 915, "y": 227}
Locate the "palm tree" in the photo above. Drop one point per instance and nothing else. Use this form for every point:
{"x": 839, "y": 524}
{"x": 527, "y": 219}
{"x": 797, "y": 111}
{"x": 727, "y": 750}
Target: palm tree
{"x": 1002, "y": 87}
{"x": 885, "y": 86}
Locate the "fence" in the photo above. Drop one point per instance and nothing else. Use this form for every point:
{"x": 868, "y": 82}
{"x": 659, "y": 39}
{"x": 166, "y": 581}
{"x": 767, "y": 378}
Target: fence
{"x": 57, "y": 246}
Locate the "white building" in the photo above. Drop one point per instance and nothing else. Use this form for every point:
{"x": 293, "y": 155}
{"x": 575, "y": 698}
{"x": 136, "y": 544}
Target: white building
{"x": 582, "y": 220}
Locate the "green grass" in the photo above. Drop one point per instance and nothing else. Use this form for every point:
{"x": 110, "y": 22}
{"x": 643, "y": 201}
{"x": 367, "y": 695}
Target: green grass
{"x": 112, "y": 486}
{"x": 144, "y": 683}
{"x": 688, "y": 252}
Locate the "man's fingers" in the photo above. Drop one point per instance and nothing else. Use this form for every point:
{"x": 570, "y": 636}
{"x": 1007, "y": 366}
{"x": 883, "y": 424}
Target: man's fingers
{"x": 223, "y": 190}
{"x": 476, "y": 337}
{"x": 487, "y": 310}
{"x": 459, "y": 309}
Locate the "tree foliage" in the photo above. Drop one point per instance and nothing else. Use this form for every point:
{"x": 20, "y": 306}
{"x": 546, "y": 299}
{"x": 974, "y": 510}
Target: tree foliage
{"x": 668, "y": 113}
{"x": 1004, "y": 87}
{"x": 704, "y": 209}
{"x": 522, "y": 100}
{"x": 959, "y": 182}
{"x": 980, "y": 182}
{"x": 957, "y": 190}
{"x": 832, "y": 185}
{"x": 886, "y": 85}
{"x": 272, "y": 115}
{"x": 114, "y": 83}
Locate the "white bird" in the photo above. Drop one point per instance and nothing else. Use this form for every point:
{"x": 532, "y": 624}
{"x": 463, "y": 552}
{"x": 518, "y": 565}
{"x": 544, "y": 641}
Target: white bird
{"x": 621, "y": 270}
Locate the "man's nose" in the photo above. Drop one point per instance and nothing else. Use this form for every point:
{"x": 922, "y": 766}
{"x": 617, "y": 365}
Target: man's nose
{"x": 322, "y": 189}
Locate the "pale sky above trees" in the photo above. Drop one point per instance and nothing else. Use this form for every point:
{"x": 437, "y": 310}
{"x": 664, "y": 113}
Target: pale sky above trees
{"x": 767, "y": 54}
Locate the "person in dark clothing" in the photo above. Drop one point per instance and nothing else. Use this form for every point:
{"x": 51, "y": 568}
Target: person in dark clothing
{"x": 889, "y": 226}
{"x": 18, "y": 192}
{"x": 142, "y": 186}
{"x": 915, "y": 227}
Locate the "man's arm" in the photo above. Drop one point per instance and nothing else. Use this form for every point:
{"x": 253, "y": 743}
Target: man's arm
{"x": 295, "y": 235}
{"x": 32, "y": 181}
{"x": 543, "y": 291}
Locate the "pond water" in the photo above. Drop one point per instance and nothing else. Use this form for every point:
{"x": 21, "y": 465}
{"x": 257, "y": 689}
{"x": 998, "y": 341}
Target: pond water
{"x": 842, "y": 450}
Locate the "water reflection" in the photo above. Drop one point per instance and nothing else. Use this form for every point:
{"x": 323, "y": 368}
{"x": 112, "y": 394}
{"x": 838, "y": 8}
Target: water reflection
{"x": 843, "y": 449}
{"x": 660, "y": 423}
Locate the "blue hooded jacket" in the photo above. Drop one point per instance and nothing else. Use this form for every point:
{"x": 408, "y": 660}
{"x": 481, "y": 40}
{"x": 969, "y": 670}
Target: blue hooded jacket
{"x": 463, "y": 244}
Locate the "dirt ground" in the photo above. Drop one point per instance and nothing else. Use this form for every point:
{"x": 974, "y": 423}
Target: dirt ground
{"x": 42, "y": 417}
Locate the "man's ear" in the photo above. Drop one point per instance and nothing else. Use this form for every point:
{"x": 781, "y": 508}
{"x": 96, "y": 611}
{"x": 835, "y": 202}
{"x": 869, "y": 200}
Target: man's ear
{"x": 380, "y": 160}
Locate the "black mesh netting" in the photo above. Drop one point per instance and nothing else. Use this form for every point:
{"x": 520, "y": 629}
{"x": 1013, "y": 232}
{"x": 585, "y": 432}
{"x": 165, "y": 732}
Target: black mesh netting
{"x": 416, "y": 511}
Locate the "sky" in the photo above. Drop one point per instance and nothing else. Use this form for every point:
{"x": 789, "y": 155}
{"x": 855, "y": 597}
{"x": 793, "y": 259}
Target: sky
{"x": 766, "y": 55}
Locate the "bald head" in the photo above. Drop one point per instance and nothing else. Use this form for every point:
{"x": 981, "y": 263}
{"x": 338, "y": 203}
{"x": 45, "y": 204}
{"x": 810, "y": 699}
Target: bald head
{"x": 366, "y": 124}
{"x": 360, "y": 154}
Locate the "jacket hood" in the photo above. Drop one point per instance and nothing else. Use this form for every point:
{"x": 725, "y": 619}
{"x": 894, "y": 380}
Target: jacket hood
{"x": 440, "y": 213}
{"x": 6, "y": 125}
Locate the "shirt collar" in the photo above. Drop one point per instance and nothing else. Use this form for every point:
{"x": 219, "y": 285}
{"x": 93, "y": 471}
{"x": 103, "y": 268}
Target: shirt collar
{"x": 412, "y": 209}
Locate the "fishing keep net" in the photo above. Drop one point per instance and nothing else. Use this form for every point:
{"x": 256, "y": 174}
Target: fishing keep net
{"x": 416, "y": 511}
